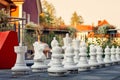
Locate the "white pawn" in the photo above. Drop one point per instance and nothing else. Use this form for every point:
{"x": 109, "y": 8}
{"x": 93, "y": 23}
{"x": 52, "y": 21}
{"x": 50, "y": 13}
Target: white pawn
{"x": 57, "y": 69}
{"x": 53, "y": 44}
{"x": 107, "y": 58}
{"x": 113, "y": 57}
{"x": 76, "y": 45}
{"x": 118, "y": 54}
{"x": 83, "y": 61}
{"x": 100, "y": 56}
{"x": 69, "y": 63}
{"x": 20, "y": 65}
{"x": 39, "y": 58}
{"x": 93, "y": 61}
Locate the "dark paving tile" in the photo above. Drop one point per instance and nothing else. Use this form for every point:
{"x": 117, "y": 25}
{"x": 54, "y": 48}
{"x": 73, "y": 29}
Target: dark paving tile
{"x": 107, "y": 73}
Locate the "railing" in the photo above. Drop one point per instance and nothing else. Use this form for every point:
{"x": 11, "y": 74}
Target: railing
{"x": 9, "y": 28}
{"x": 28, "y": 35}
{"x": 13, "y": 24}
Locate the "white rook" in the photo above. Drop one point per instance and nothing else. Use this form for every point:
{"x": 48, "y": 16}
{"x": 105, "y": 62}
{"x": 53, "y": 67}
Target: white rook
{"x": 20, "y": 65}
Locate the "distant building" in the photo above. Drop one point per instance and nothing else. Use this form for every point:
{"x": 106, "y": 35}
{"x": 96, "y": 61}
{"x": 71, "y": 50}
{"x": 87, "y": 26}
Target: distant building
{"x": 16, "y": 8}
{"x": 87, "y": 31}
{"x": 33, "y": 7}
{"x": 83, "y": 31}
{"x": 102, "y": 22}
{"x": 8, "y": 5}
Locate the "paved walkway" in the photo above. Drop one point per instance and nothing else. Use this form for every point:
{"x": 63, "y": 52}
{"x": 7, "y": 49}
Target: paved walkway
{"x": 107, "y": 73}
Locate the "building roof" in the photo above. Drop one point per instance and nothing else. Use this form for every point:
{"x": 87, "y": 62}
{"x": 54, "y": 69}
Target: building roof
{"x": 118, "y": 35}
{"x": 84, "y": 27}
{"x": 7, "y": 3}
{"x": 100, "y": 22}
{"x": 4, "y": 2}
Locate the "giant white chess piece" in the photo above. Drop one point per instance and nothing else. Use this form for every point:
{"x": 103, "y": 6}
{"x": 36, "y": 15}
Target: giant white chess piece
{"x": 107, "y": 58}
{"x": 20, "y": 65}
{"x": 113, "y": 57}
{"x": 83, "y": 61}
{"x": 83, "y": 44}
{"x": 66, "y": 40}
{"x": 93, "y": 61}
{"x": 69, "y": 63}
{"x": 76, "y": 45}
{"x": 39, "y": 58}
{"x": 53, "y": 44}
{"x": 118, "y": 54}
{"x": 100, "y": 56}
{"x": 57, "y": 69}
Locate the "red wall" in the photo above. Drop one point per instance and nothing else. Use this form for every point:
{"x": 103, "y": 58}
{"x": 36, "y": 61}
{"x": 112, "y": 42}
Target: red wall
{"x": 8, "y": 40}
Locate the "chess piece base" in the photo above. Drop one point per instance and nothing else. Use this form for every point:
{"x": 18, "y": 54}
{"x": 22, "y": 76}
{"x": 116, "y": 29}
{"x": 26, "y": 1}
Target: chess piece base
{"x": 58, "y": 71}
{"x": 20, "y": 70}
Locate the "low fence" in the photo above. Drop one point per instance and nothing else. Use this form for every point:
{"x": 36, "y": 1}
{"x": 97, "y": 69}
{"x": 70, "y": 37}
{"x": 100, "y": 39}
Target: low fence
{"x": 8, "y": 27}
{"x": 30, "y": 36}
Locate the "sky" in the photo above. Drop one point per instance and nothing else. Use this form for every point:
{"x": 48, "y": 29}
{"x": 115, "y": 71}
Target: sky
{"x": 90, "y": 10}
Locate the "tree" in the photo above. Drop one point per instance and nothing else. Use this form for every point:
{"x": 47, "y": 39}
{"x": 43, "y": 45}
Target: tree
{"x": 103, "y": 29}
{"x": 76, "y": 19}
{"x": 48, "y": 8}
{"x": 48, "y": 17}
